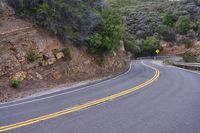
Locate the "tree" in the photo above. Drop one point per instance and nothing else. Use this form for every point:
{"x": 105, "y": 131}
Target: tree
{"x": 149, "y": 46}
{"x": 182, "y": 25}
{"x": 166, "y": 33}
{"x": 190, "y": 57}
{"x": 198, "y": 2}
{"x": 108, "y": 36}
{"x": 168, "y": 18}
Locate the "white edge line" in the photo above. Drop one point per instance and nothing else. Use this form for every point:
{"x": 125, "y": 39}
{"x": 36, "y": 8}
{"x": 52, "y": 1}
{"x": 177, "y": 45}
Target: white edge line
{"x": 44, "y": 98}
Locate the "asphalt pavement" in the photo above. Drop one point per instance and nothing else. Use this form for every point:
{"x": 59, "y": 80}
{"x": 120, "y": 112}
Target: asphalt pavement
{"x": 169, "y": 104}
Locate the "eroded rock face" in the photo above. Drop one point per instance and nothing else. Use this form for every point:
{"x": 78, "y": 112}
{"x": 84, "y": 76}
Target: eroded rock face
{"x": 4, "y": 9}
{"x": 45, "y": 43}
{"x": 8, "y": 62}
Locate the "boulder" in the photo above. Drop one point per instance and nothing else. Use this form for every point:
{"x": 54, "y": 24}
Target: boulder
{"x": 57, "y": 75}
{"x": 59, "y": 55}
{"x": 19, "y": 76}
{"x": 8, "y": 62}
{"x": 39, "y": 76}
{"x": 51, "y": 61}
{"x": 121, "y": 46}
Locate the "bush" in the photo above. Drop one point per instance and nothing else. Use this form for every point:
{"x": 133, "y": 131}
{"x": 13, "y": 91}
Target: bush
{"x": 197, "y": 2}
{"x": 129, "y": 43}
{"x": 168, "y": 18}
{"x": 15, "y": 83}
{"x": 187, "y": 43}
{"x": 149, "y": 46}
{"x": 166, "y": 34}
{"x": 100, "y": 60}
{"x": 198, "y": 29}
{"x": 190, "y": 57}
{"x": 107, "y": 37}
{"x": 67, "y": 19}
{"x": 182, "y": 25}
{"x": 32, "y": 55}
{"x": 67, "y": 53}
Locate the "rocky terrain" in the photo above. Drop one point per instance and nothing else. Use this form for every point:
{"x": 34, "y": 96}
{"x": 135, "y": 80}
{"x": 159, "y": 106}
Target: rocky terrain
{"x": 58, "y": 63}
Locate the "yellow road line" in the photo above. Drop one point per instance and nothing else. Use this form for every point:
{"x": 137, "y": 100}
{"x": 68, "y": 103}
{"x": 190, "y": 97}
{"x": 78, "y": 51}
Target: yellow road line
{"x": 84, "y": 105}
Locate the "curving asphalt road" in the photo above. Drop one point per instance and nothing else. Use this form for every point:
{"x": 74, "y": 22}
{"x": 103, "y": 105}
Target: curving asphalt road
{"x": 169, "y": 104}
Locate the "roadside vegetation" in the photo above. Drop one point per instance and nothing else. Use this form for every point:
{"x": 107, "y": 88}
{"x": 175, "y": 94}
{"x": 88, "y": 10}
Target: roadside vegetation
{"x": 107, "y": 37}
{"x": 32, "y": 55}
{"x": 170, "y": 21}
{"x": 98, "y": 27}
{"x": 149, "y": 46}
{"x": 190, "y": 57}
{"x": 15, "y": 83}
{"x": 85, "y": 23}
{"x": 182, "y": 25}
{"x": 67, "y": 53}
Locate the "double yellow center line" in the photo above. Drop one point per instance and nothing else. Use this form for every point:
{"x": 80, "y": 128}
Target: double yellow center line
{"x": 84, "y": 105}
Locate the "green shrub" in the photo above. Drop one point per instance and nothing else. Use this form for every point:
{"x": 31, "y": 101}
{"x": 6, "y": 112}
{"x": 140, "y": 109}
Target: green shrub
{"x": 163, "y": 29}
{"x": 107, "y": 37}
{"x": 32, "y": 55}
{"x": 149, "y": 46}
{"x": 182, "y": 25}
{"x": 198, "y": 2}
{"x": 166, "y": 34}
{"x": 67, "y": 53}
{"x": 41, "y": 7}
{"x": 100, "y": 60}
{"x": 15, "y": 83}
{"x": 187, "y": 43}
{"x": 168, "y": 18}
{"x": 67, "y": 19}
{"x": 125, "y": 62}
{"x": 198, "y": 29}
{"x": 129, "y": 43}
{"x": 190, "y": 57}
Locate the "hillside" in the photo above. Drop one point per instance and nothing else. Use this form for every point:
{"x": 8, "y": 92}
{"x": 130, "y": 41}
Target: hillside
{"x": 37, "y": 55}
{"x": 47, "y": 43}
{"x": 175, "y": 24}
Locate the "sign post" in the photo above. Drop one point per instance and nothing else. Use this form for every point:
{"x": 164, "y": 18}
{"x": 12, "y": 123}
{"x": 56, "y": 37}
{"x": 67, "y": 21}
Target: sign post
{"x": 157, "y": 52}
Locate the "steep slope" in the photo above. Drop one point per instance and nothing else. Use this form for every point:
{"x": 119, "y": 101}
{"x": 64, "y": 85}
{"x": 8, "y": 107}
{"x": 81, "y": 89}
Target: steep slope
{"x": 67, "y": 19}
{"x": 176, "y": 24}
{"x": 56, "y": 63}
